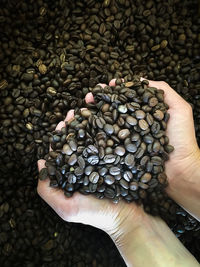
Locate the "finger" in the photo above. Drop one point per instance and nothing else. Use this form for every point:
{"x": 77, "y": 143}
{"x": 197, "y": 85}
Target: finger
{"x": 171, "y": 97}
{"x": 70, "y": 115}
{"x": 89, "y": 98}
{"x": 113, "y": 82}
{"x": 41, "y": 164}
{"x": 102, "y": 85}
{"x": 60, "y": 125}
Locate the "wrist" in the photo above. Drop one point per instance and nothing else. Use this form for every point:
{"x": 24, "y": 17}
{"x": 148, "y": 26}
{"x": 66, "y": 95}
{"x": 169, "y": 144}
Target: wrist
{"x": 150, "y": 243}
{"x": 184, "y": 188}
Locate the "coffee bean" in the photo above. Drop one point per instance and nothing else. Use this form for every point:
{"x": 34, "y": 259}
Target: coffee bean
{"x": 143, "y": 125}
{"x": 73, "y": 145}
{"x": 124, "y": 184}
{"x": 94, "y": 177}
{"x": 153, "y": 101}
{"x": 123, "y": 134}
{"x": 158, "y": 114}
{"x": 110, "y": 158}
{"x": 131, "y": 148}
{"x": 127, "y": 175}
{"x": 51, "y": 170}
{"x": 129, "y": 160}
{"x": 109, "y": 179}
{"x": 108, "y": 129}
{"x": 140, "y": 114}
{"x": 93, "y": 160}
{"x": 114, "y": 170}
{"x": 131, "y": 120}
{"x": 72, "y": 160}
{"x": 122, "y": 109}
{"x": 145, "y": 178}
{"x": 119, "y": 150}
{"x": 133, "y": 186}
{"x": 43, "y": 174}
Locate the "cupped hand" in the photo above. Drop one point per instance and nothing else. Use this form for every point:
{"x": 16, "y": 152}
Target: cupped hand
{"x": 183, "y": 167}
{"x": 103, "y": 214}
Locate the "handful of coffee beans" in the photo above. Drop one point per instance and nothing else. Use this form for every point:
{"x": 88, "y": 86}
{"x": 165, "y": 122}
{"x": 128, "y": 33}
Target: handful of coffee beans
{"x": 116, "y": 148}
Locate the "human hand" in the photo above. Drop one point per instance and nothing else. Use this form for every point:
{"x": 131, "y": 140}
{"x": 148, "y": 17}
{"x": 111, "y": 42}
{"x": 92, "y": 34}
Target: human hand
{"x": 102, "y": 214}
{"x": 183, "y": 167}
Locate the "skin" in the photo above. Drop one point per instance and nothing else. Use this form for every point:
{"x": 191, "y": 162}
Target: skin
{"x": 141, "y": 239}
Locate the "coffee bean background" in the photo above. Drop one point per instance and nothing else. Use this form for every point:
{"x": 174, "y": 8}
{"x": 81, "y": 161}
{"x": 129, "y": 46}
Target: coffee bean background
{"x": 51, "y": 53}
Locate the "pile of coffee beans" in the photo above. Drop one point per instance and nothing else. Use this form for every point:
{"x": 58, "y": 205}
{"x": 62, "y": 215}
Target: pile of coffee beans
{"x": 116, "y": 148}
{"x": 51, "y": 54}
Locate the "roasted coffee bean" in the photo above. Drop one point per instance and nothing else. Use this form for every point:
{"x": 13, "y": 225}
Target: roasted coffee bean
{"x": 114, "y": 170}
{"x": 93, "y": 160}
{"x": 109, "y": 179}
{"x": 143, "y": 125}
{"x": 124, "y": 184}
{"x": 133, "y": 186}
{"x": 131, "y": 120}
{"x": 158, "y": 114}
{"x": 43, "y": 174}
{"x": 131, "y": 148}
{"x": 120, "y": 150}
{"x": 67, "y": 150}
{"x": 94, "y": 177}
{"x": 108, "y": 129}
{"x": 110, "y": 158}
{"x": 51, "y": 170}
{"x": 145, "y": 178}
{"x": 72, "y": 160}
{"x": 127, "y": 175}
{"x": 123, "y": 134}
{"x": 129, "y": 160}
{"x": 139, "y": 114}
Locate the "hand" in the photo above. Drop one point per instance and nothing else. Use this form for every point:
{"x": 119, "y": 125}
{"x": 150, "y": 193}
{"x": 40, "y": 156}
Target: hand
{"x": 183, "y": 167}
{"x": 87, "y": 209}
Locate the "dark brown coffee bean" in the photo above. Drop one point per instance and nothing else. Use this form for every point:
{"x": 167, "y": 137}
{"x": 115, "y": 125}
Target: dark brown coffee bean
{"x": 169, "y": 148}
{"x": 124, "y": 184}
{"x": 158, "y": 114}
{"x": 133, "y": 186}
{"x": 108, "y": 129}
{"x": 162, "y": 178}
{"x": 131, "y": 120}
{"x": 120, "y": 150}
{"x": 143, "y": 125}
{"x": 81, "y": 162}
{"x": 153, "y": 101}
{"x": 127, "y": 175}
{"x": 43, "y": 174}
{"x": 110, "y": 158}
{"x": 72, "y": 160}
{"x": 149, "y": 119}
{"x": 145, "y": 178}
{"x": 109, "y": 179}
{"x": 123, "y": 134}
{"x": 73, "y": 145}
{"x": 156, "y": 160}
{"x": 67, "y": 150}
{"x": 129, "y": 160}
{"x": 131, "y": 148}
{"x": 71, "y": 179}
{"x": 114, "y": 170}
{"x": 51, "y": 170}
{"x": 94, "y": 177}
{"x": 103, "y": 171}
{"x": 92, "y": 149}
{"x": 143, "y": 186}
{"x": 139, "y": 114}
{"x": 93, "y": 160}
